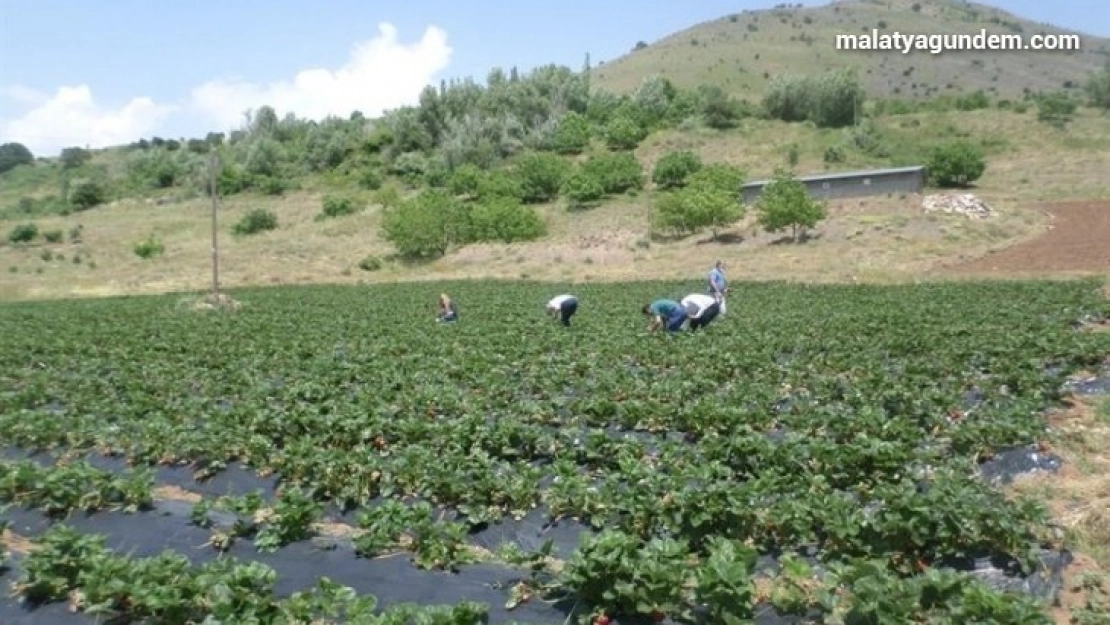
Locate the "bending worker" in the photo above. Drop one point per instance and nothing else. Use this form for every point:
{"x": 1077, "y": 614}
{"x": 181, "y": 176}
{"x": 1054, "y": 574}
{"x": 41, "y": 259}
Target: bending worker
{"x": 701, "y": 309}
{"x": 666, "y": 312}
{"x": 563, "y": 307}
{"x": 447, "y": 309}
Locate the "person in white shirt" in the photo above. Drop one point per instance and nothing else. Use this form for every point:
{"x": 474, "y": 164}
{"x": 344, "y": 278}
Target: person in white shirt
{"x": 563, "y": 307}
{"x": 701, "y": 309}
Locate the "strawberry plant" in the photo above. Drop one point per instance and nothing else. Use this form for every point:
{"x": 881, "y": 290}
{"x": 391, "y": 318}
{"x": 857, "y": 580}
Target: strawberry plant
{"x": 846, "y": 421}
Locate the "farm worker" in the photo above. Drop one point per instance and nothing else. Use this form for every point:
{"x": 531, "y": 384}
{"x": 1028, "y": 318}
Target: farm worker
{"x": 666, "y": 312}
{"x": 718, "y": 285}
{"x": 701, "y": 308}
{"x": 563, "y": 307}
{"x": 447, "y": 309}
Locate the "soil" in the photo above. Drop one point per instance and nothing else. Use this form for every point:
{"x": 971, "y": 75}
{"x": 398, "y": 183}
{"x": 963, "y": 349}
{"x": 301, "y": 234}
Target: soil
{"x": 1077, "y": 241}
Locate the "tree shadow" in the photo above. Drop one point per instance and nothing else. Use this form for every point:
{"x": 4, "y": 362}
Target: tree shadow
{"x": 802, "y": 238}
{"x": 725, "y": 238}
{"x": 411, "y": 262}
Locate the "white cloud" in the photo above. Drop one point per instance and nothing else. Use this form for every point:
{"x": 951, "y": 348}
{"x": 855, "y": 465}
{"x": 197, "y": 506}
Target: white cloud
{"x": 72, "y": 118}
{"x": 381, "y": 74}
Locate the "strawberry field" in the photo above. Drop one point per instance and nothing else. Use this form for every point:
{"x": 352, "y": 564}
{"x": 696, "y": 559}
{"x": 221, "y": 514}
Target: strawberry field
{"x": 332, "y": 454}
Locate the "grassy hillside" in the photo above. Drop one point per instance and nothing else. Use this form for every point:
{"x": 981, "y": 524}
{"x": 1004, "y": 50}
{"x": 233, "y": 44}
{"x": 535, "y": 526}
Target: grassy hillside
{"x": 742, "y": 51}
{"x": 546, "y": 176}
{"x": 873, "y": 239}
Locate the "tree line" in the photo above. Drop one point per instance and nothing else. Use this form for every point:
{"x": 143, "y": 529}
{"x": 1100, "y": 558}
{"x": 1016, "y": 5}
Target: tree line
{"x": 480, "y": 155}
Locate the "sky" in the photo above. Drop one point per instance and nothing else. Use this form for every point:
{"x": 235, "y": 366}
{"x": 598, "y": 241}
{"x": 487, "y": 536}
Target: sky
{"x": 109, "y": 72}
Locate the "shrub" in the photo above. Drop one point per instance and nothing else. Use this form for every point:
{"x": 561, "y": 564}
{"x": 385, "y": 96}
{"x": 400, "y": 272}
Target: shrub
{"x": 624, "y": 133}
{"x": 616, "y": 171}
{"x": 711, "y": 199}
{"x": 505, "y": 220}
{"x": 672, "y": 170}
{"x": 256, "y": 221}
{"x": 834, "y": 154}
{"x": 956, "y": 164}
{"x": 500, "y": 184}
{"x": 53, "y": 236}
{"x": 87, "y": 194}
{"x": 149, "y": 248}
{"x": 23, "y": 233}
{"x": 1055, "y": 109}
{"x": 370, "y": 263}
{"x": 426, "y": 225}
{"x": 371, "y": 179}
{"x": 786, "y": 203}
{"x": 582, "y": 190}
{"x": 1098, "y": 88}
{"x": 572, "y": 134}
{"x": 541, "y": 175}
{"x": 828, "y": 100}
{"x": 13, "y": 155}
{"x": 337, "y": 206}
{"x": 465, "y": 180}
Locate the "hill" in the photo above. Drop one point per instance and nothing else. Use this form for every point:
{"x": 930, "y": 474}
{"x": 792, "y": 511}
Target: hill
{"x": 548, "y": 175}
{"x": 741, "y": 52}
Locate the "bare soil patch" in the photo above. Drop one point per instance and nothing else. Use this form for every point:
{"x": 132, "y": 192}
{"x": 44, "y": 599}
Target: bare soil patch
{"x": 1078, "y": 240}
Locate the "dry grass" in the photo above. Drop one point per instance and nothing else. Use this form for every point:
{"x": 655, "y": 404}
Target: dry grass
{"x": 880, "y": 239}
{"x": 174, "y": 493}
{"x": 15, "y": 543}
{"x": 1079, "y": 495}
{"x": 740, "y": 52}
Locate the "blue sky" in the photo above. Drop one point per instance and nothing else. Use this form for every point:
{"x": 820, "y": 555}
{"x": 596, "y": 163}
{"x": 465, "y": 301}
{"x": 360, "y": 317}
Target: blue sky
{"x": 79, "y": 72}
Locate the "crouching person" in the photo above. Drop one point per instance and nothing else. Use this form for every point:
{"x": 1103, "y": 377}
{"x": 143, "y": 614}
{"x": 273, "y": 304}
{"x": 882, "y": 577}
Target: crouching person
{"x": 667, "y": 313}
{"x": 563, "y": 307}
{"x": 701, "y": 309}
{"x": 447, "y": 310}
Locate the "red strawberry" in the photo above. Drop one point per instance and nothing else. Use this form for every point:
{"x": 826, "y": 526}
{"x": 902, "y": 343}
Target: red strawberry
{"x": 602, "y": 619}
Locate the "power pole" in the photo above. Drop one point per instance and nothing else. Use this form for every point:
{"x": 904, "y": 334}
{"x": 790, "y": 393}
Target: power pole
{"x": 213, "y": 167}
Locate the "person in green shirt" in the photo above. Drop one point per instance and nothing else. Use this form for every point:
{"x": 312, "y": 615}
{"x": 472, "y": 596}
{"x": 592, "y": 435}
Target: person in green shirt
{"x": 667, "y": 313}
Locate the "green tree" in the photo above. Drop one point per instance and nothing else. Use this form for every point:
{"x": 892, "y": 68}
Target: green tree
{"x": 582, "y": 190}
{"x": 672, "y": 170}
{"x": 956, "y": 164}
{"x": 541, "y": 175}
{"x": 616, "y": 171}
{"x": 624, "y": 133}
{"x": 13, "y": 155}
{"x": 86, "y": 194}
{"x": 426, "y": 225}
{"x": 711, "y": 199}
{"x": 72, "y": 158}
{"x": 719, "y": 110}
{"x": 786, "y": 203}
{"x": 572, "y": 134}
{"x": 829, "y": 100}
{"x": 504, "y": 220}
{"x": 465, "y": 181}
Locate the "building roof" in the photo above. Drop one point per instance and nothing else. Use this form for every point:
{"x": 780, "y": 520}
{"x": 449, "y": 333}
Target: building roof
{"x": 845, "y": 174}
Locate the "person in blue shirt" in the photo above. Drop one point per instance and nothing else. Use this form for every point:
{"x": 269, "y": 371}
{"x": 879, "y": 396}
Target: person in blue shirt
{"x": 718, "y": 285}
{"x": 667, "y": 313}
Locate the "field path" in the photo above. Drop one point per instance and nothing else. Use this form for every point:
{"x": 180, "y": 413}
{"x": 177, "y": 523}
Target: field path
{"x": 1078, "y": 241}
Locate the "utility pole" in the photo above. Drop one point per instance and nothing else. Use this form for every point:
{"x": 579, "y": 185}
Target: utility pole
{"x": 213, "y": 167}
